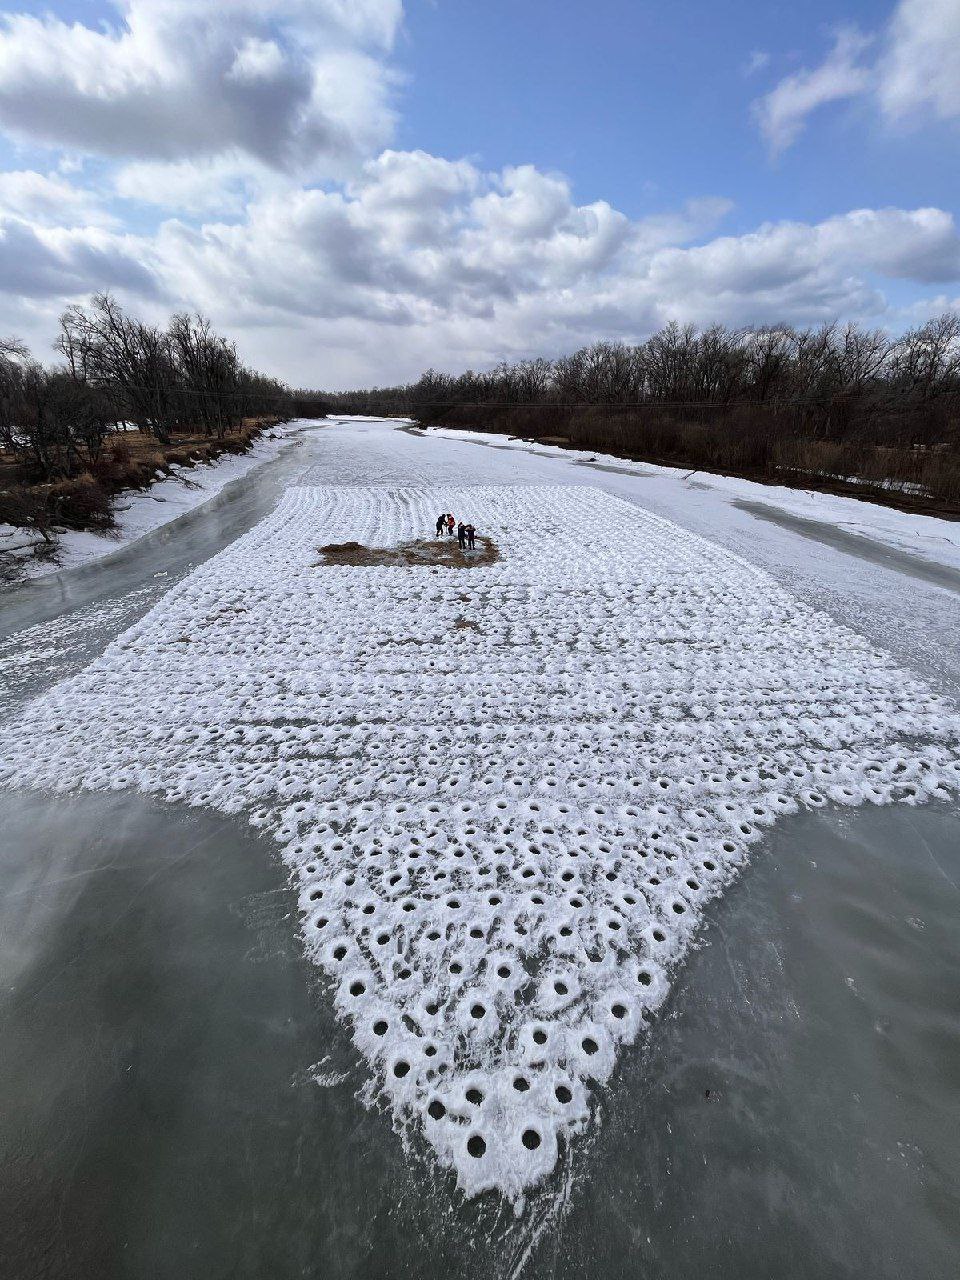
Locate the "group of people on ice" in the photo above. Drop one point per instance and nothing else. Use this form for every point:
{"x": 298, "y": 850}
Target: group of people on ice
{"x": 466, "y": 533}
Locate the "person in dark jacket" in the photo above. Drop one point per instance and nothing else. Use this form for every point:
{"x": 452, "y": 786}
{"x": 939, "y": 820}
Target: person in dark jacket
{"x": 462, "y": 535}
{"x": 441, "y": 524}
{"x": 471, "y": 537}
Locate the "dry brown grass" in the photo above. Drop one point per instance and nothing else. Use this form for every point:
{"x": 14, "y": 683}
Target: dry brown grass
{"x": 423, "y": 554}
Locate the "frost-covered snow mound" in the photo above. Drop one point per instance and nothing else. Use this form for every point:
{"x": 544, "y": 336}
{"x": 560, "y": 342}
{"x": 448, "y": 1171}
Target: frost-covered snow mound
{"x": 506, "y": 794}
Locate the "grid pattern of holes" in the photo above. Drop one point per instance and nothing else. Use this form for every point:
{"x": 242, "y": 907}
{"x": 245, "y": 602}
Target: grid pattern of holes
{"x": 503, "y": 837}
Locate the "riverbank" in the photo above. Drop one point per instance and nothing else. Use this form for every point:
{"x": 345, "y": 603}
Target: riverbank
{"x": 870, "y": 528}
{"x": 186, "y": 481}
{"x": 804, "y": 465}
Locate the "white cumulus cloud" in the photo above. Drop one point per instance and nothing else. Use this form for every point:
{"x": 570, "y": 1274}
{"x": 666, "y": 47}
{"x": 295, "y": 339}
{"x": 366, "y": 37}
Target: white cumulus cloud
{"x": 49, "y": 200}
{"x": 246, "y": 143}
{"x": 422, "y": 260}
{"x": 294, "y": 85}
{"x": 920, "y": 69}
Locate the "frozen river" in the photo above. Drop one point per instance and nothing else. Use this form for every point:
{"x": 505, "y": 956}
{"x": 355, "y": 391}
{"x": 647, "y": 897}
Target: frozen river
{"x": 179, "y": 1099}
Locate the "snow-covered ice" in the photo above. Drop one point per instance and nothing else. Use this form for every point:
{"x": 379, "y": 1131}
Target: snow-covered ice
{"x": 503, "y": 834}
{"x": 51, "y": 648}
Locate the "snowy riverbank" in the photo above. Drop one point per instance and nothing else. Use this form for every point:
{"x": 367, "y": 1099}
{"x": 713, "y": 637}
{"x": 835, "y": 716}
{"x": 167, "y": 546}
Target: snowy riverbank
{"x": 140, "y": 512}
{"x": 930, "y": 537}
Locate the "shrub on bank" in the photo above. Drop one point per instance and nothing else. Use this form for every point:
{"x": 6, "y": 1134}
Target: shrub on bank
{"x": 117, "y": 468}
{"x": 79, "y": 503}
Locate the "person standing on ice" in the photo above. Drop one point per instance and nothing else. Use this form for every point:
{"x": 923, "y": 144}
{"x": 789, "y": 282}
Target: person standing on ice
{"x": 450, "y": 526}
{"x": 441, "y": 521}
{"x": 471, "y": 537}
{"x": 462, "y": 535}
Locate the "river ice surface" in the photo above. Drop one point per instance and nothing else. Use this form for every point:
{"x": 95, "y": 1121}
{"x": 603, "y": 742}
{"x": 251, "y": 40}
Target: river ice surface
{"x": 506, "y": 792}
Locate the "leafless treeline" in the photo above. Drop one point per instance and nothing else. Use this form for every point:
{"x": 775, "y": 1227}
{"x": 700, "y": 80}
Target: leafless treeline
{"x": 840, "y": 402}
{"x": 834, "y": 376}
{"x": 118, "y": 369}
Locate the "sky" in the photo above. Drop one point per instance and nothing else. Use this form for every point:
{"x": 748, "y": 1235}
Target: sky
{"x": 357, "y": 190}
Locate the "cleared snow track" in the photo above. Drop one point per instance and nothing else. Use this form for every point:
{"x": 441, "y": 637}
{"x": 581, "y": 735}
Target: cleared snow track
{"x": 506, "y": 793}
